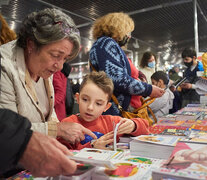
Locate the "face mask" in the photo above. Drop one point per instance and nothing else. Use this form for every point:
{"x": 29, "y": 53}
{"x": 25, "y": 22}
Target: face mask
{"x": 188, "y": 64}
{"x": 151, "y": 64}
{"x": 123, "y": 41}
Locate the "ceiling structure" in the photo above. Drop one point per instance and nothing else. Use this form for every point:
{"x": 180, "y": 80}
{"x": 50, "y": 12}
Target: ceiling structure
{"x": 165, "y": 27}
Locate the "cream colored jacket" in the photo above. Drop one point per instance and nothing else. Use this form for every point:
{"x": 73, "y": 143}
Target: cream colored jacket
{"x": 18, "y": 94}
{"x": 147, "y": 71}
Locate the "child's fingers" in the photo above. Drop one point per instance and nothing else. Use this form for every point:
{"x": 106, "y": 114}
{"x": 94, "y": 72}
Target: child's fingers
{"x": 108, "y": 136}
{"x": 125, "y": 130}
{"x": 123, "y": 126}
{"x": 108, "y": 141}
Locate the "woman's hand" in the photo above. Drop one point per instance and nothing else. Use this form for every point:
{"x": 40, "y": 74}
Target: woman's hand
{"x": 156, "y": 92}
{"x": 126, "y": 127}
{"x": 73, "y": 132}
{"x": 103, "y": 141}
{"x": 45, "y": 156}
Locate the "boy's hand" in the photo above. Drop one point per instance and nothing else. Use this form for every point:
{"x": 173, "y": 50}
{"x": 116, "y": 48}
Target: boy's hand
{"x": 127, "y": 126}
{"x": 103, "y": 141}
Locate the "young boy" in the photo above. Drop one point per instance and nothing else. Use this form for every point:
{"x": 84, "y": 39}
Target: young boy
{"x": 163, "y": 104}
{"x": 95, "y": 93}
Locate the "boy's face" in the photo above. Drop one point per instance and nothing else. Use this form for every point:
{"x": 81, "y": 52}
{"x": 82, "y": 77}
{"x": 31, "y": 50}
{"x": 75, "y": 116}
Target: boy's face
{"x": 92, "y": 101}
{"x": 159, "y": 83}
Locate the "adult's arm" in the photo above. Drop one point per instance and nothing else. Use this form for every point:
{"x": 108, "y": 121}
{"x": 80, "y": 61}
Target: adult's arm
{"x": 45, "y": 156}
{"x": 111, "y": 59}
{"x": 15, "y": 133}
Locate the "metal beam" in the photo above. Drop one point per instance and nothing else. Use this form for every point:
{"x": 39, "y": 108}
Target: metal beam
{"x": 158, "y": 7}
{"x": 195, "y": 26}
{"x": 144, "y": 42}
{"x": 66, "y": 11}
{"x": 201, "y": 12}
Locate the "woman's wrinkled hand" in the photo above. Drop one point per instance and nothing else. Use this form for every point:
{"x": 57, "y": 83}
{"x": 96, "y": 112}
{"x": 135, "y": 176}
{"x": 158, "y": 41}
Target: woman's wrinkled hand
{"x": 156, "y": 92}
{"x": 73, "y": 132}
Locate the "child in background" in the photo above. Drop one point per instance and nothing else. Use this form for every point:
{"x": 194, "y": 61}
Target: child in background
{"x": 163, "y": 104}
{"x": 93, "y": 99}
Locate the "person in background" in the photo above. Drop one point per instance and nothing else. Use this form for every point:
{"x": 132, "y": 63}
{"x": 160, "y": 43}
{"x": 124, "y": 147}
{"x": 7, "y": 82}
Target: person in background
{"x": 6, "y": 34}
{"x": 111, "y": 32}
{"x": 173, "y": 73}
{"x": 188, "y": 93}
{"x": 40, "y": 154}
{"x": 162, "y": 105}
{"x": 47, "y": 39}
{"x": 60, "y": 80}
{"x": 76, "y": 87}
{"x": 94, "y": 98}
{"x": 147, "y": 65}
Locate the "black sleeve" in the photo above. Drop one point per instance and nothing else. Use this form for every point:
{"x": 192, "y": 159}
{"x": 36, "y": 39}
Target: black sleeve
{"x": 15, "y": 134}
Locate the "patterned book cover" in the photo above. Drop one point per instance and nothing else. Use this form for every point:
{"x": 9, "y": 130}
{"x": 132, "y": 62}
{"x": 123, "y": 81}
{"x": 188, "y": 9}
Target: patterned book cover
{"x": 157, "y": 139}
{"x": 129, "y": 168}
{"x": 157, "y": 129}
{"x": 188, "y": 161}
{"x": 196, "y": 136}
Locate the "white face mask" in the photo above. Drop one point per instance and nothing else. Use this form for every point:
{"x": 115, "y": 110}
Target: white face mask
{"x": 151, "y": 64}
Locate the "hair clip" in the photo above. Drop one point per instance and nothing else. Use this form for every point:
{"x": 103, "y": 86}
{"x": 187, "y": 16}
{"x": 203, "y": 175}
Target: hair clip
{"x": 66, "y": 29}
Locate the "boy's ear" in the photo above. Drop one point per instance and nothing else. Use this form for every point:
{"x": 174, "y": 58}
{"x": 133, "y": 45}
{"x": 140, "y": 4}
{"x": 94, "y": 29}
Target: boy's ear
{"x": 107, "y": 106}
{"x": 77, "y": 97}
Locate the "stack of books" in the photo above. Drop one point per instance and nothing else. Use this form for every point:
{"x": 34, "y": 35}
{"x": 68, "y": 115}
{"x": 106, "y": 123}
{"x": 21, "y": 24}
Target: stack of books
{"x": 153, "y": 146}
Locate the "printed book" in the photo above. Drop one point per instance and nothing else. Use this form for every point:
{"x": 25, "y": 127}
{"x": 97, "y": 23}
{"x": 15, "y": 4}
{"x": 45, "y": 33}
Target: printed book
{"x": 170, "y": 122}
{"x": 200, "y": 125}
{"x": 97, "y": 157}
{"x": 129, "y": 168}
{"x": 157, "y": 129}
{"x": 196, "y": 136}
{"x": 175, "y": 132}
{"x": 153, "y": 146}
{"x": 188, "y": 161}
{"x": 157, "y": 139}
{"x": 83, "y": 172}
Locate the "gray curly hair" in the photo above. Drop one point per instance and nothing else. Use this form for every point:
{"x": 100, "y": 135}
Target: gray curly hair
{"x": 47, "y": 26}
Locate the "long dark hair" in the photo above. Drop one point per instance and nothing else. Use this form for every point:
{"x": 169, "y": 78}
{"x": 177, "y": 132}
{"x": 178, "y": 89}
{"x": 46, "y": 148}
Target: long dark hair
{"x": 145, "y": 58}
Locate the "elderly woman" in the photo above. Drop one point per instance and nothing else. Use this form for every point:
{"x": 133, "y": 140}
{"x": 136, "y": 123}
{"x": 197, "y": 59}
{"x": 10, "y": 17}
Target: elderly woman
{"x": 111, "y": 32}
{"x": 46, "y": 40}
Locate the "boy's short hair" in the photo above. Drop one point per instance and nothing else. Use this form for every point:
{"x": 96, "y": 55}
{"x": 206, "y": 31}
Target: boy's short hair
{"x": 189, "y": 52}
{"x": 160, "y": 75}
{"x": 101, "y": 80}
